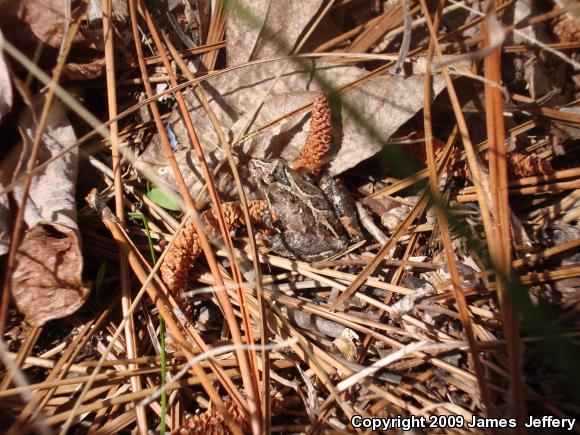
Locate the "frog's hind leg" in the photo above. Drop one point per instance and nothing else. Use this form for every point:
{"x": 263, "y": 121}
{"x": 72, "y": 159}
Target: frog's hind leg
{"x": 312, "y": 246}
{"x": 344, "y": 207}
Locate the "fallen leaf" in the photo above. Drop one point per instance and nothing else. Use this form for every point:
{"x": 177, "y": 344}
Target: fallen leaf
{"x": 346, "y": 344}
{"x": 84, "y": 71}
{"x": 29, "y": 24}
{"x": 158, "y": 197}
{"x": 47, "y": 282}
{"x": 243, "y": 36}
{"x": 52, "y": 194}
{"x": 383, "y": 104}
{"x": 260, "y": 28}
{"x": 367, "y": 118}
{"x": 28, "y": 21}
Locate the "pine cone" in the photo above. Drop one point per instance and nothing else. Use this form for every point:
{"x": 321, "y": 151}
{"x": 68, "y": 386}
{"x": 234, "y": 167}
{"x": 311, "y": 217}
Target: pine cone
{"x": 180, "y": 259}
{"x": 210, "y": 422}
{"x": 566, "y": 28}
{"x": 521, "y": 166}
{"x": 319, "y": 138}
{"x": 257, "y": 209}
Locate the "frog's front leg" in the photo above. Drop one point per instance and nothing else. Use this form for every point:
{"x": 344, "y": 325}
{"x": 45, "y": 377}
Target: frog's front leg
{"x": 278, "y": 245}
{"x": 312, "y": 246}
{"x": 343, "y": 205}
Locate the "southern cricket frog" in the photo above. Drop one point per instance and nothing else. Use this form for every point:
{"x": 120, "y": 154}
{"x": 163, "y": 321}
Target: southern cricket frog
{"x": 311, "y": 222}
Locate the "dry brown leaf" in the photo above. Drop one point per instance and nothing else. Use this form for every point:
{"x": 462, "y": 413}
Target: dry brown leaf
{"x": 368, "y": 116}
{"x": 47, "y": 281}
{"x": 385, "y": 103}
{"x": 25, "y": 22}
{"x": 29, "y": 24}
{"x": 346, "y": 344}
{"x": 52, "y": 194}
{"x": 261, "y": 28}
{"x": 84, "y": 71}
{"x": 49, "y": 262}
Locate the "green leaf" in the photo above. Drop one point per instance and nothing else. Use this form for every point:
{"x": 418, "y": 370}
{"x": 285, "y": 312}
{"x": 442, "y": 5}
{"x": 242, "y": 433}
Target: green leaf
{"x": 161, "y": 199}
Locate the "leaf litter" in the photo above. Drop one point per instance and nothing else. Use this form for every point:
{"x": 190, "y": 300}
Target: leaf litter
{"x": 434, "y": 329}
{"x": 239, "y": 92}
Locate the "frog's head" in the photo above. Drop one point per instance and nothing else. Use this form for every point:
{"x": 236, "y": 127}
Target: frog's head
{"x": 265, "y": 172}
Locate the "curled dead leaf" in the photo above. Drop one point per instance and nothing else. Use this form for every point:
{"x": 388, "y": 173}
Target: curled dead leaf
{"x": 46, "y": 283}
{"x": 84, "y": 71}
{"x": 346, "y": 344}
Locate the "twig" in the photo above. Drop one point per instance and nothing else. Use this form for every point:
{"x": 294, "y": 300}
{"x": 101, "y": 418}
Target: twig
{"x": 130, "y": 338}
{"x": 406, "y": 43}
{"x": 252, "y": 391}
{"x": 149, "y": 284}
{"x": 444, "y": 227}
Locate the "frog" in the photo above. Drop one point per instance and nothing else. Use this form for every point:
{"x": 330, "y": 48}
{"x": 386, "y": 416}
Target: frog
{"x": 310, "y": 220}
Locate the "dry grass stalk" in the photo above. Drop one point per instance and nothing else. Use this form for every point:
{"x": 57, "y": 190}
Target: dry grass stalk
{"x": 130, "y": 336}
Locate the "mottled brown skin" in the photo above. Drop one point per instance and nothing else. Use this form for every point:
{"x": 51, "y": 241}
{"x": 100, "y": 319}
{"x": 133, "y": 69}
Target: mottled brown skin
{"x": 308, "y": 224}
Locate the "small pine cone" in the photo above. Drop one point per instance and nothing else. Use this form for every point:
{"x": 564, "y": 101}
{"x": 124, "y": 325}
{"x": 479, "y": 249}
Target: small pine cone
{"x": 257, "y": 207}
{"x": 566, "y": 28}
{"x": 319, "y": 138}
{"x": 232, "y": 214}
{"x": 521, "y": 166}
{"x": 211, "y": 422}
{"x": 178, "y": 261}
